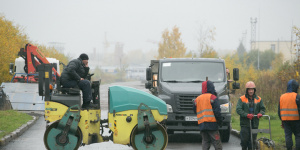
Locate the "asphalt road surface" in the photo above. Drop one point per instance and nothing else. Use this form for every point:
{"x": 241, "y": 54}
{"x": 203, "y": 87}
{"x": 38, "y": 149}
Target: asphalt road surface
{"x": 32, "y": 139}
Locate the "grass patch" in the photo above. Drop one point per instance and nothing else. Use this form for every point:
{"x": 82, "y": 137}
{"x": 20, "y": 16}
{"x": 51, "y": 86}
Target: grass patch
{"x": 10, "y": 120}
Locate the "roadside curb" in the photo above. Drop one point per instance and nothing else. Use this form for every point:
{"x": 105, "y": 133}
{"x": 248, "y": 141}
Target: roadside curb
{"x": 18, "y": 132}
{"x": 235, "y": 133}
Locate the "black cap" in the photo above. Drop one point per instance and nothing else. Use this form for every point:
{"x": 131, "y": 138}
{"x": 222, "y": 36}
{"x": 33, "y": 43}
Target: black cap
{"x": 84, "y": 56}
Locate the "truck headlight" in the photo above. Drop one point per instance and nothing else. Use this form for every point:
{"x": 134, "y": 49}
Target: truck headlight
{"x": 225, "y": 108}
{"x": 169, "y": 108}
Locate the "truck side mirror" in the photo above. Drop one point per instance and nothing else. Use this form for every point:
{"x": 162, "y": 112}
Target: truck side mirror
{"x": 11, "y": 68}
{"x": 236, "y": 74}
{"x": 148, "y": 74}
{"x": 236, "y": 85}
{"x": 148, "y": 85}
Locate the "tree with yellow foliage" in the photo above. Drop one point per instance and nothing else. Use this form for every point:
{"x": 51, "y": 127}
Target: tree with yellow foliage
{"x": 288, "y": 70}
{"x": 171, "y": 45}
{"x": 246, "y": 72}
{"x": 297, "y": 51}
{"x": 209, "y": 53}
{"x": 51, "y": 52}
{"x": 11, "y": 40}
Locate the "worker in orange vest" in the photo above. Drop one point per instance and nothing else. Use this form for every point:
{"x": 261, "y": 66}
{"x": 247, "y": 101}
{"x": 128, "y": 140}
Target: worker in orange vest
{"x": 209, "y": 116}
{"x": 288, "y": 112}
{"x": 249, "y": 105}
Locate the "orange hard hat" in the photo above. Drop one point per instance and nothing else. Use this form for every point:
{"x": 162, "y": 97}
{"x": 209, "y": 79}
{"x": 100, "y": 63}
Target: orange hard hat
{"x": 250, "y": 84}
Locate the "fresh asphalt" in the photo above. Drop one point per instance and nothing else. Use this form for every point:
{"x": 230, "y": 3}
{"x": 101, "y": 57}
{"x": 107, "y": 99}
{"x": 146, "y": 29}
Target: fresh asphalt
{"x": 32, "y": 139}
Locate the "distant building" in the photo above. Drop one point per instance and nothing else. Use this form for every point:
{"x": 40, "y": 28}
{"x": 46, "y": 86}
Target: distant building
{"x": 110, "y": 69}
{"x": 285, "y": 47}
{"x": 132, "y": 72}
{"x": 136, "y": 72}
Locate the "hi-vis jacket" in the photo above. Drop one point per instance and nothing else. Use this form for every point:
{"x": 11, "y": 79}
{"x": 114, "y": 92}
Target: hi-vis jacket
{"x": 208, "y": 108}
{"x": 288, "y": 108}
{"x": 242, "y": 108}
{"x": 204, "y": 109}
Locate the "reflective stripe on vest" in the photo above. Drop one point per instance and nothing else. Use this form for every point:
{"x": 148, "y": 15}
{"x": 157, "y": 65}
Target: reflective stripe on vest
{"x": 204, "y": 109}
{"x": 245, "y": 99}
{"x": 288, "y": 107}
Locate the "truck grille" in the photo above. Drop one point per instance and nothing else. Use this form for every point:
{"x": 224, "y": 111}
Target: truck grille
{"x": 185, "y": 102}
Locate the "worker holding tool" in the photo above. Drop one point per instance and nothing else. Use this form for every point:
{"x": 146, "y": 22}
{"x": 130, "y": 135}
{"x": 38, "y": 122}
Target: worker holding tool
{"x": 249, "y": 105}
{"x": 75, "y": 74}
{"x": 208, "y": 111}
{"x": 288, "y": 112}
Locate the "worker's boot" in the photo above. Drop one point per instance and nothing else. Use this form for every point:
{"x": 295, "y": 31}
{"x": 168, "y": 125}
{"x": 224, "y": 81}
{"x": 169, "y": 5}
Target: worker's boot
{"x": 89, "y": 106}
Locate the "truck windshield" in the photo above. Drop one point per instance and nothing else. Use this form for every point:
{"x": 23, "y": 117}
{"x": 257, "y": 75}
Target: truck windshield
{"x": 192, "y": 71}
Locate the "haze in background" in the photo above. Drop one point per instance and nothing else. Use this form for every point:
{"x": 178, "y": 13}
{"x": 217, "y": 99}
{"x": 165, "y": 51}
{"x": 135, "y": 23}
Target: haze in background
{"x": 80, "y": 26}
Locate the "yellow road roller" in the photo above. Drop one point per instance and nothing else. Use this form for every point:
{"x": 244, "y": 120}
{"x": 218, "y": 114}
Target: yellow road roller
{"x": 135, "y": 118}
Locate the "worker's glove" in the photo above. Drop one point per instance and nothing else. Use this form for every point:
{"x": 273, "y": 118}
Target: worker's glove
{"x": 250, "y": 116}
{"x": 259, "y": 115}
{"x": 282, "y": 126}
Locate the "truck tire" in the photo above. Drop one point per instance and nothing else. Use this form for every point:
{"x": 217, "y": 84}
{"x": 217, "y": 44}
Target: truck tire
{"x": 225, "y": 134}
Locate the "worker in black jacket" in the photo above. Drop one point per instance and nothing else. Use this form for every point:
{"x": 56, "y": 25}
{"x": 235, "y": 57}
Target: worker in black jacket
{"x": 74, "y": 74}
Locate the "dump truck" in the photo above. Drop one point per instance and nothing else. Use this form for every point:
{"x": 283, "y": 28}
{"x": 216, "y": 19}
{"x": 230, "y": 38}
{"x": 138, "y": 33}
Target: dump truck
{"x": 178, "y": 81}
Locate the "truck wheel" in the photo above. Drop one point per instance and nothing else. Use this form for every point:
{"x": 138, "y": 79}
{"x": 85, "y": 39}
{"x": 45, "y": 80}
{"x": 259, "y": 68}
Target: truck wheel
{"x": 225, "y": 134}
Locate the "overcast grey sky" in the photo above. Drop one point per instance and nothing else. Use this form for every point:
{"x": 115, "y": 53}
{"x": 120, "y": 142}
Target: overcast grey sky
{"x": 81, "y": 25}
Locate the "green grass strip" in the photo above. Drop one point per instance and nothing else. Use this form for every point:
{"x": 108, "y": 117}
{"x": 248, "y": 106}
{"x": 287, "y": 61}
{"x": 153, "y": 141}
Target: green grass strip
{"x": 10, "y": 120}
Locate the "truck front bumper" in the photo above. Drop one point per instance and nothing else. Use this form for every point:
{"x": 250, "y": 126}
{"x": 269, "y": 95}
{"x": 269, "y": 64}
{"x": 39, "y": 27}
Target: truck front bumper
{"x": 177, "y": 122}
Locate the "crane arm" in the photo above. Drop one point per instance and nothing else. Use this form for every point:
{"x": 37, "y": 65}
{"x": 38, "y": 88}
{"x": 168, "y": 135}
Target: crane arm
{"x": 33, "y": 57}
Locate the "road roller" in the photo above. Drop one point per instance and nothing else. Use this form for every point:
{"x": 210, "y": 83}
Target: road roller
{"x": 135, "y": 118}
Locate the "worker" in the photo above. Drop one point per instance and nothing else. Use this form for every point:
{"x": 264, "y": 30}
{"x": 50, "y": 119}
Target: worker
{"x": 228, "y": 75}
{"x": 209, "y": 116}
{"x": 74, "y": 74}
{"x": 249, "y": 105}
{"x": 288, "y": 112}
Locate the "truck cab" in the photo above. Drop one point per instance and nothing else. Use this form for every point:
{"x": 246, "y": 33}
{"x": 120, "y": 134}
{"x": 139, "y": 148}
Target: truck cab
{"x": 178, "y": 81}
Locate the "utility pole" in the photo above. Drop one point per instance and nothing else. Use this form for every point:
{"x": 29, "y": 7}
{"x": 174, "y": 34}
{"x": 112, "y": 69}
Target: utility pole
{"x": 119, "y": 54}
{"x": 253, "y": 38}
{"x": 105, "y": 43}
{"x": 244, "y": 39}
